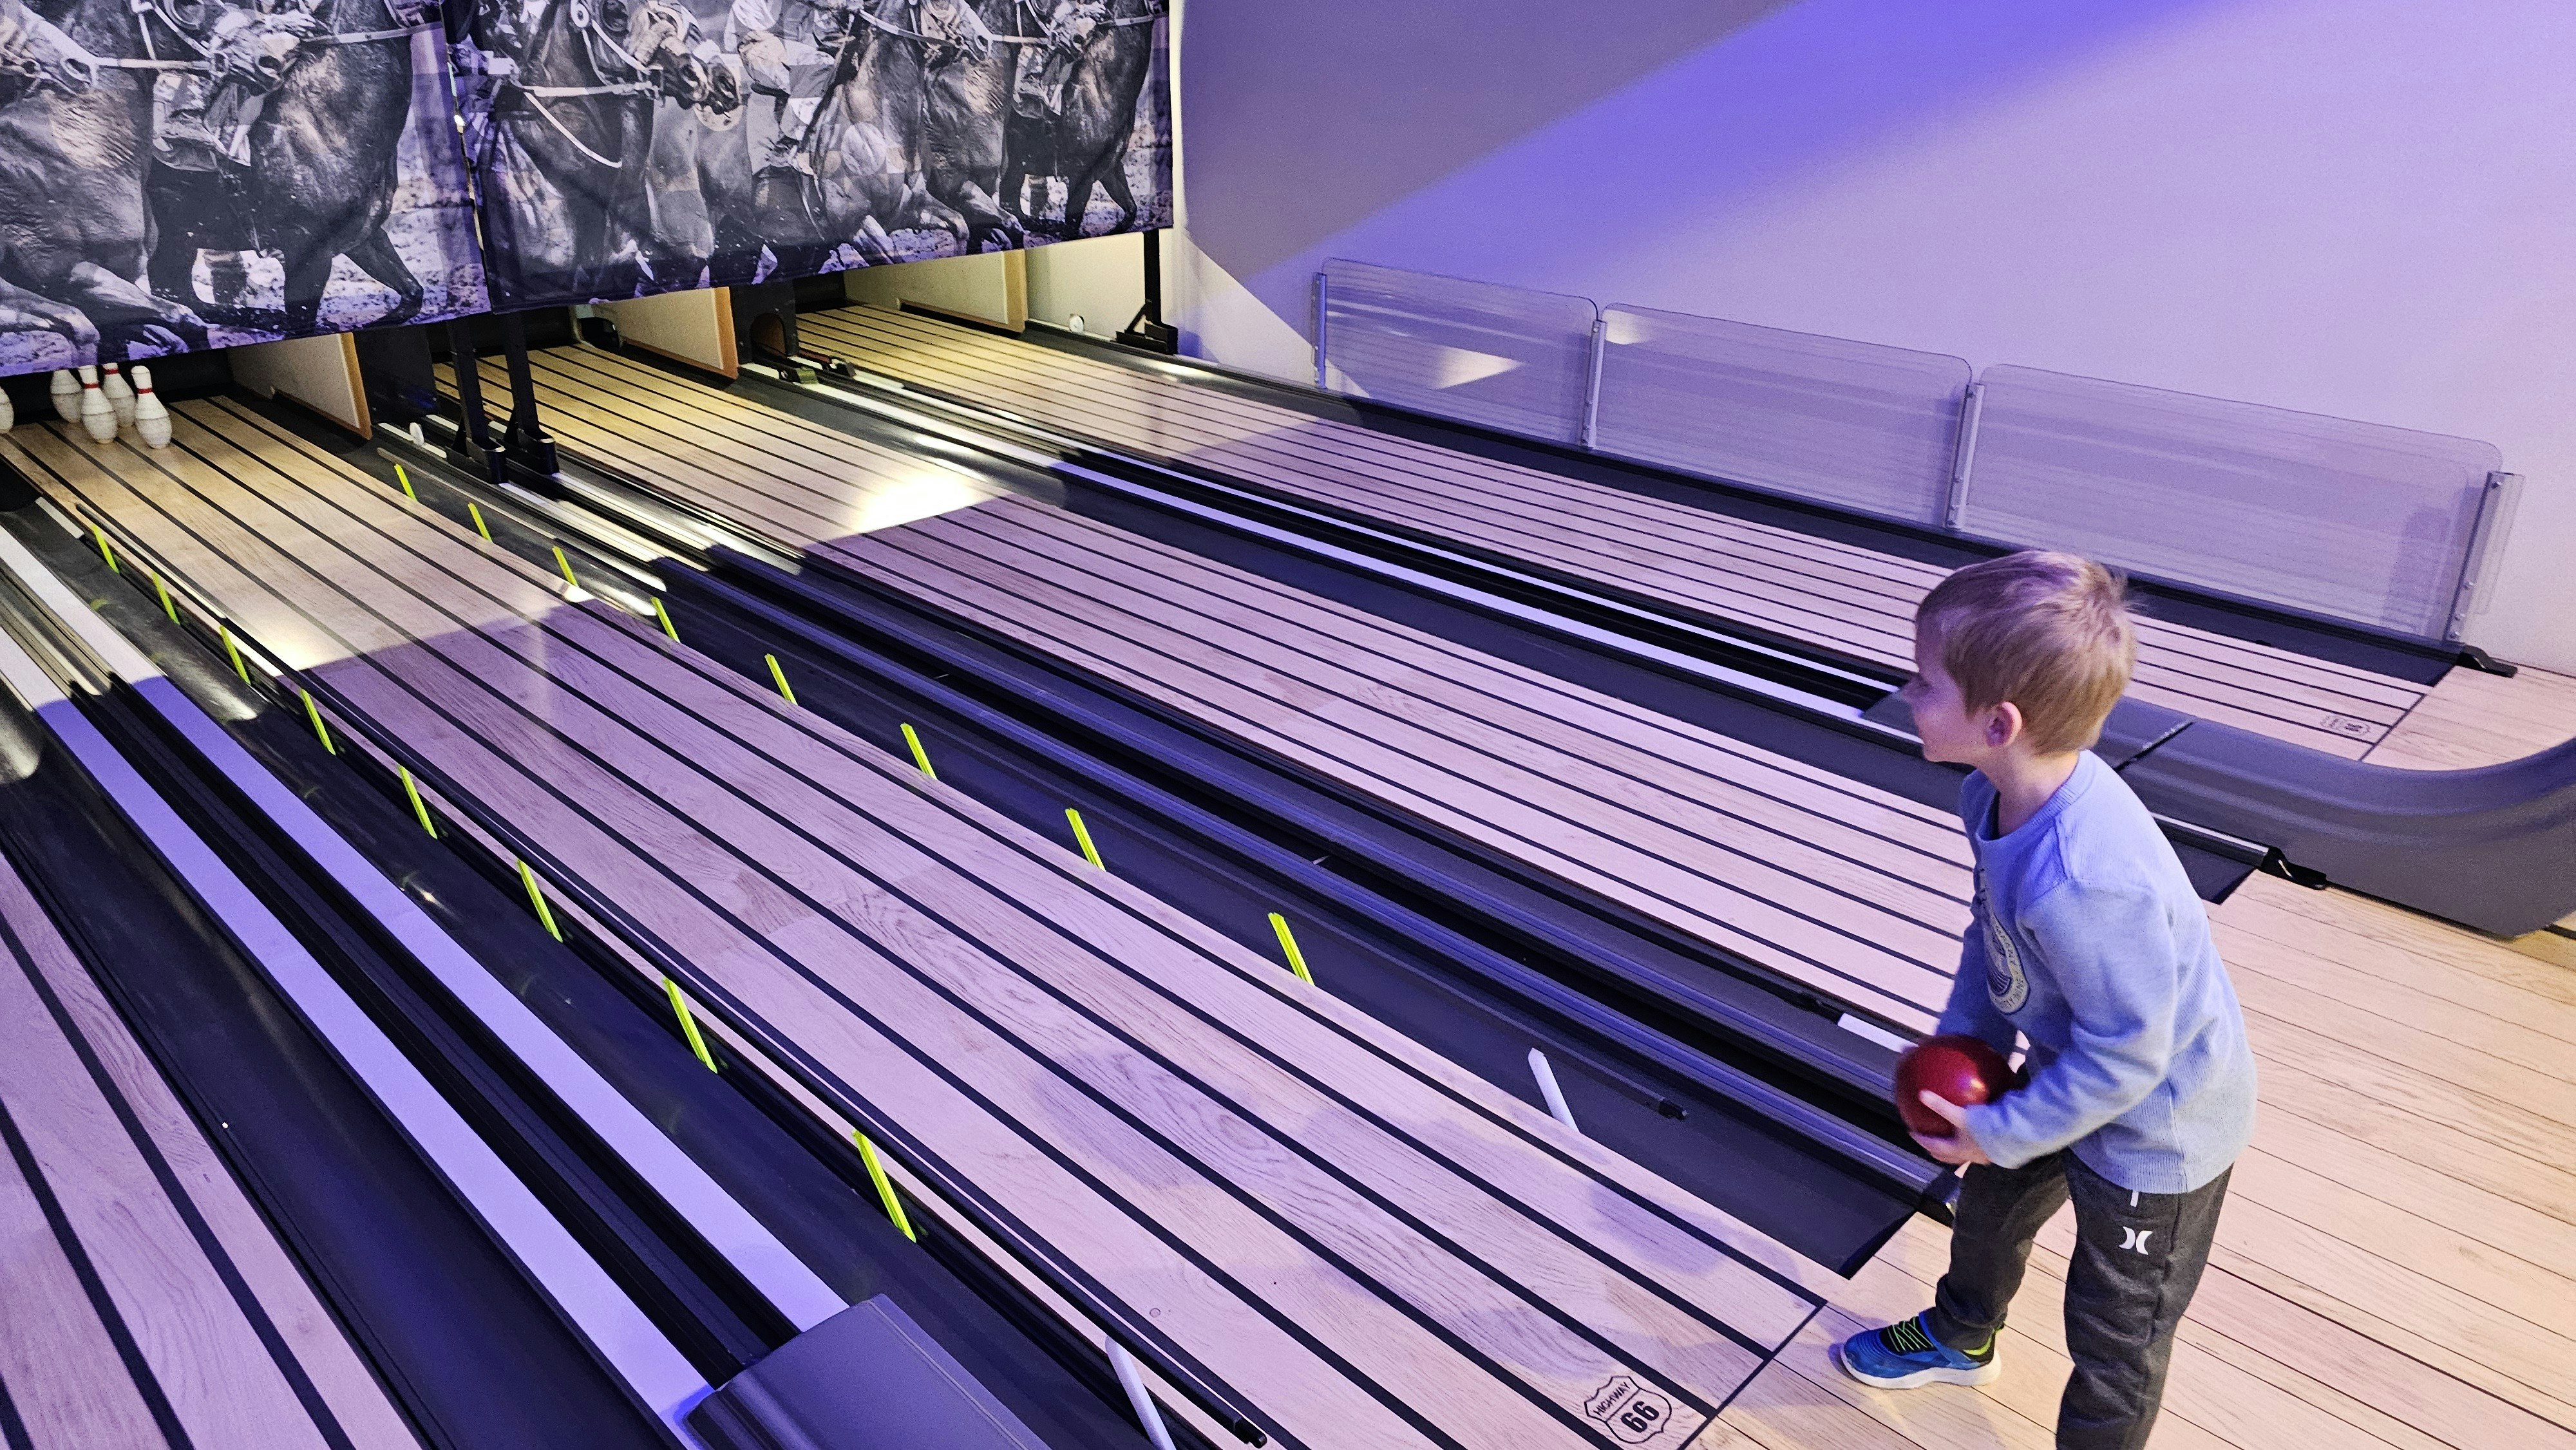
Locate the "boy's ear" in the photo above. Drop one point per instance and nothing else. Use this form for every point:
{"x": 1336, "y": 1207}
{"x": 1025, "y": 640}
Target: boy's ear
{"x": 2003, "y": 725}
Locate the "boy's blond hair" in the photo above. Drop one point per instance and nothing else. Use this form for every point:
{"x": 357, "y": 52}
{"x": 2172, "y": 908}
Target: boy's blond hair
{"x": 2049, "y": 632}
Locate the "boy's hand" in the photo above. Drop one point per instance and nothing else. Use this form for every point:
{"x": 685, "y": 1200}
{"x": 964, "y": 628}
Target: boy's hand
{"x": 1961, "y": 1146}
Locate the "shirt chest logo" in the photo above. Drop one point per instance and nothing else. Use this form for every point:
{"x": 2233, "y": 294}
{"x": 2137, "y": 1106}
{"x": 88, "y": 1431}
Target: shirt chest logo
{"x": 2007, "y": 985}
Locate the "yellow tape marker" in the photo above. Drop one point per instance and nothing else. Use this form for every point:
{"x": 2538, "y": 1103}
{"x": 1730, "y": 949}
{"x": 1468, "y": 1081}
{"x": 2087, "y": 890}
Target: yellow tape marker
{"x": 920, "y": 756}
{"x": 545, "y": 913}
{"x": 104, "y": 551}
{"x": 1288, "y": 944}
{"x": 167, "y": 607}
{"x": 480, "y": 527}
{"x": 664, "y": 615}
{"x": 233, "y": 651}
{"x": 419, "y": 807}
{"x": 689, "y": 1024}
{"x": 1082, "y": 837}
{"x": 780, "y": 676}
{"x": 403, "y": 477}
{"x": 885, "y": 1185}
{"x": 566, "y": 566}
{"x": 313, "y": 713}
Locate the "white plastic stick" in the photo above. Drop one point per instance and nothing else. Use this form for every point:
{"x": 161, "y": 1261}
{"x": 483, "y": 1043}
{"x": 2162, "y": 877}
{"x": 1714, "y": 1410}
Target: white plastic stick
{"x": 1132, "y": 1379}
{"x": 1548, "y": 1089}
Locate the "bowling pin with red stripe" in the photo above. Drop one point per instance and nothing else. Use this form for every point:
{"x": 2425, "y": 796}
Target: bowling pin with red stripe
{"x": 151, "y": 420}
{"x": 97, "y": 415}
{"x": 120, "y": 395}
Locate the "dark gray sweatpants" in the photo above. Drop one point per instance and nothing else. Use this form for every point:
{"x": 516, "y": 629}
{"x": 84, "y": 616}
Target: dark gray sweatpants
{"x": 2138, "y": 1257}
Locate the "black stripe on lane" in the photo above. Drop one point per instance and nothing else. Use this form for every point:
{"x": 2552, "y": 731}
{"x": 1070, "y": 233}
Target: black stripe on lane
{"x": 101, "y": 1303}
{"x": 203, "y": 1233}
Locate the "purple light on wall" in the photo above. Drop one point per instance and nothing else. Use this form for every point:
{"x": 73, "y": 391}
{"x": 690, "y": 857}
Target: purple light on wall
{"x": 1766, "y": 96}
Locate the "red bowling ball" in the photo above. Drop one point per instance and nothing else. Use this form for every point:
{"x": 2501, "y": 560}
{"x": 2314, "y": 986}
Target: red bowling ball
{"x": 1965, "y": 1070}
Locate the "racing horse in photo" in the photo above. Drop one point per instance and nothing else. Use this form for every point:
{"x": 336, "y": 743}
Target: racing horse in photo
{"x": 866, "y": 143}
{"x": 36, "y": 56}
{"x": 963, "y": 138}
{"x": 564, "y": 151}
{"x": 318, "y": 180}
{"x": 73, "y": 229}
{"x": 1073, "y": 108}
{"x": 698, "y": 171}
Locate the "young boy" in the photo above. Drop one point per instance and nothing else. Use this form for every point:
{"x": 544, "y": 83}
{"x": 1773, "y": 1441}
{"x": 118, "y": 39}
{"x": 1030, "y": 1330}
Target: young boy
{"x": 2089, "y": 941}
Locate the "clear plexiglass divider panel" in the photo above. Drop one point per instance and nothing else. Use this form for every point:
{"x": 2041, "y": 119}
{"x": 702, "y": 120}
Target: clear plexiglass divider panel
{"x": 1853, "y": 424}
{"x": 2378, "y": 526}
{"x": 1499, "y": 357}
{"x": 2353, "y": 521}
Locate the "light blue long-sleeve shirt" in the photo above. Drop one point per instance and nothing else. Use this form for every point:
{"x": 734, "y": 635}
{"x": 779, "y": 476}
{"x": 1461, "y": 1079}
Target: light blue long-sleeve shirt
{"x": 2090, "y": 940}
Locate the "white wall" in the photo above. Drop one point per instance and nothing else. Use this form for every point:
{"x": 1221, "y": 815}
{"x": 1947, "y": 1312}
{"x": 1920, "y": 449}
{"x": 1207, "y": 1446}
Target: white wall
{"x": 2356, "y": 207}
{"x": 1100, "y": 280}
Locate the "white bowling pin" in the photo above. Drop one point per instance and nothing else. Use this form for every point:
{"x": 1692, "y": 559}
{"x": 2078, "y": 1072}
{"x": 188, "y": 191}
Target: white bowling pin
{"x": 98, "y": 418}
{"x": 8, "y": 412}
{"x": 120, "y": 396}
{"x": 151, "y": 420}
{"x": 67, "y": 395}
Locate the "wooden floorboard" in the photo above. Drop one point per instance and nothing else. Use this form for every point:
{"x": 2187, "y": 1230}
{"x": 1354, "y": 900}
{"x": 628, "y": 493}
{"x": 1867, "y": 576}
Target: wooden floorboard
{"x": 1843, "y": 597}
{"x": 1370, "y": 1246}
{"x": 2473, "y": 718}
{"x": 2556, "y": 945}
{"x": 146, "y": 1302}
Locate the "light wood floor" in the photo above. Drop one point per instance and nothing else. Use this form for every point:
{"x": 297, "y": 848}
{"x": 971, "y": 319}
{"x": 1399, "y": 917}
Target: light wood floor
{"x": 143, "y": 1301}
{"x": 2472, "y": 719}
{"x": 1839, "y": 596}
{"x": 2392, "y": 1267}
{"x": 1367, "y": 1245}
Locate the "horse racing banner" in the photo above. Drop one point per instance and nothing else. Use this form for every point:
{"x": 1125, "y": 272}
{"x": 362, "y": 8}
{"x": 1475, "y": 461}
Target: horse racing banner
{"x": 622, "y": 147}
{"x": 180, "y": 174}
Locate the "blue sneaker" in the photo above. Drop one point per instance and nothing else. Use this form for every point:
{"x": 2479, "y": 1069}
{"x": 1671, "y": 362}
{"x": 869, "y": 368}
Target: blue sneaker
{"x": 1904, "y": 1355}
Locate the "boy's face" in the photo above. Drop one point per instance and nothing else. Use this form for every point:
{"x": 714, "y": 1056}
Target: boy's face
{"x": 1951, "y": 734}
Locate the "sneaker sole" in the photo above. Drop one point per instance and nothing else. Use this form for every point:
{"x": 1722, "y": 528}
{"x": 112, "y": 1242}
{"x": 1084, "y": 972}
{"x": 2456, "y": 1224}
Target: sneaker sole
{"x": 1984, "y": 1374}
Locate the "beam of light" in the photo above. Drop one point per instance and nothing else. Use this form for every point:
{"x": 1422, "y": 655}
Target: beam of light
{"x": 913, "y": 497}
{"x": 1460, "y": 366}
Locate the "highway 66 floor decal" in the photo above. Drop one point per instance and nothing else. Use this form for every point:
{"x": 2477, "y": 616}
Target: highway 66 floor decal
{"x": 1634, "y": 1413}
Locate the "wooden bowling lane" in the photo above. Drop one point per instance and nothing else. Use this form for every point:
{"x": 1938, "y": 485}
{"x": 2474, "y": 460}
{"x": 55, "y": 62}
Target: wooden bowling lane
{"x": 143, "y": 1301}
{"x": 1841, "y": 888}
{"x": 1368, "y": 1246}
{"x": 1605, "y": 799}
{"x": 1840, "y": 596}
